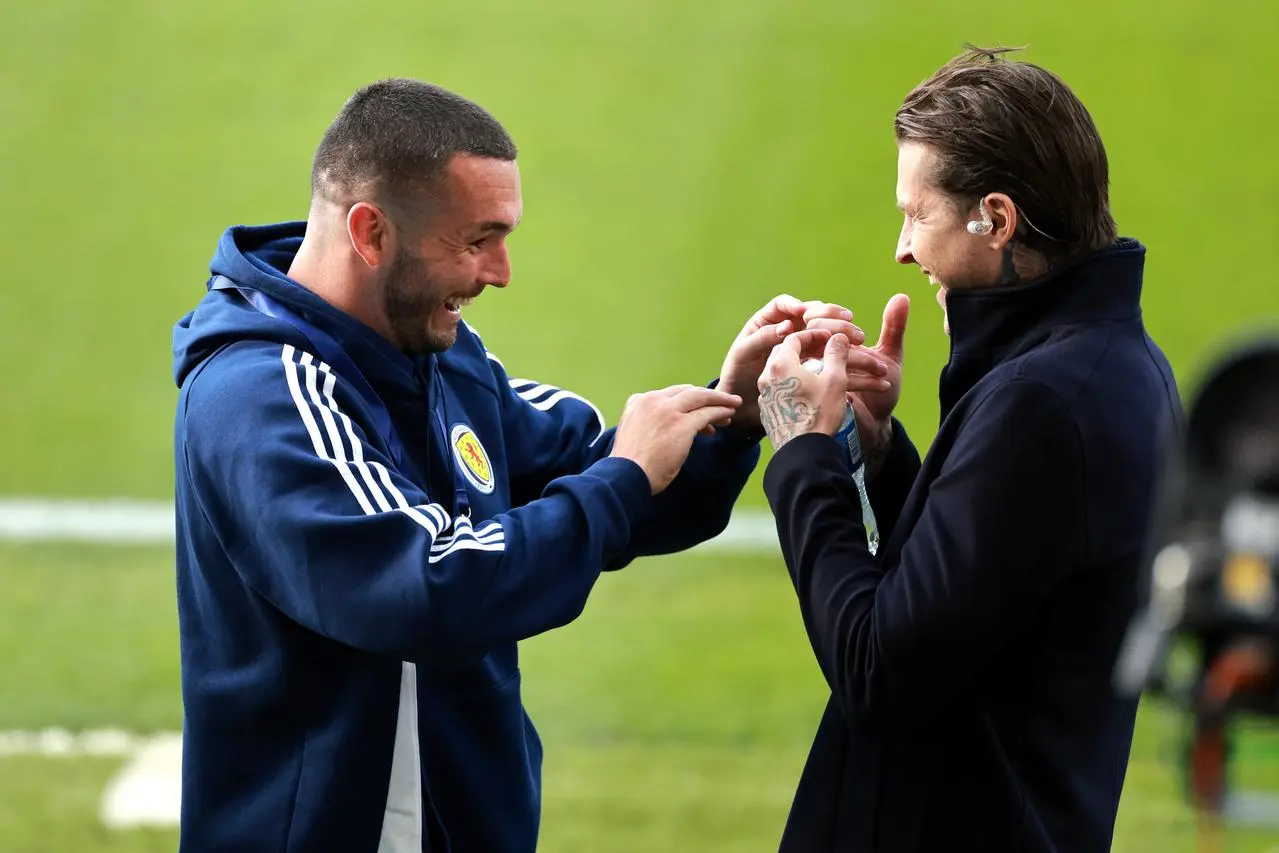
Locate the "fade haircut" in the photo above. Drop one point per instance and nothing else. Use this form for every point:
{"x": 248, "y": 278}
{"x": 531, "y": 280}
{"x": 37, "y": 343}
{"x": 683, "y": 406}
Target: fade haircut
{"x": 393, "y": 139}
{"x": 1001, "y": 126}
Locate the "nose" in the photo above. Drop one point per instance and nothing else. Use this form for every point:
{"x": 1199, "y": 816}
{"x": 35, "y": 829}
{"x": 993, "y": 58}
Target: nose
{"x": 496, "y": 271}
{"x": 904, "y": 255}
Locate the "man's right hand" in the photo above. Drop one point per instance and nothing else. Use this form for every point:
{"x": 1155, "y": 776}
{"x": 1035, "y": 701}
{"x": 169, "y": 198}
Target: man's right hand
{"x": 657, "y": 428}
{"x": 874, "y": 406}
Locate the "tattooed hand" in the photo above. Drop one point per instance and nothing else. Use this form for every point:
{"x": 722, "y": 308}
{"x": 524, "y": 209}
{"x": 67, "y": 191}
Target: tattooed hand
{"x": 766, "y": 329}
{"x": 793, "y": 401}
{"x": 781, "y": 415}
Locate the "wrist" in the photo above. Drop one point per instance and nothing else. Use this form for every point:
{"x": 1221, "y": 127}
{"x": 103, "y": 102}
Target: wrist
{"x": 744, "y": 430}
{"x": 875, "y": 448}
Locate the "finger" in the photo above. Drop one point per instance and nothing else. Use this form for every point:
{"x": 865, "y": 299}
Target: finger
{"x": 672, "y": 390}
{"x": 892, "y": 335}
{"x": 864, "y": 382}
{"x": 759, "y": 342}
{"x": 835, "y": 359}
{"x": 807, "y": 341}
{"x": 784, "y": 359}
{"x": 779, "y": 308}
{"x": 695, "y": 397}
{"x": 855, "y": 335}
{"x": 828, "y": 310}
{"x": 863, "y": 360}
{"x": 706, "y": 418}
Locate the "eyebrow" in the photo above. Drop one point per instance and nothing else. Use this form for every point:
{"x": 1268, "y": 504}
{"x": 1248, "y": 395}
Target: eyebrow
{"x": 494, "y": 225}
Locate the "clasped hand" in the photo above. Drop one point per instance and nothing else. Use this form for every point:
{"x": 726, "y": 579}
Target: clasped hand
{"x": 792, "y": 400}
{"x": 657, "y": 428}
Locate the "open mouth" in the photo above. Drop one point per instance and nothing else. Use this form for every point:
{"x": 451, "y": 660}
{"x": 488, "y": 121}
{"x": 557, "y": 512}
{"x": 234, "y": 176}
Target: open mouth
{"x": 455, "y": 306}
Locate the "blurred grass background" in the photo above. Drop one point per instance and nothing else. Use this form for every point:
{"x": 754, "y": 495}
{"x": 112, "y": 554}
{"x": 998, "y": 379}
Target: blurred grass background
{"x": 682, "y": 163}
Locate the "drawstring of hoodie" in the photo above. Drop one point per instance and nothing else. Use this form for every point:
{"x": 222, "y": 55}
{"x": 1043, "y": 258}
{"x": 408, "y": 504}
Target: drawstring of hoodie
{"x": 461, "y": 503}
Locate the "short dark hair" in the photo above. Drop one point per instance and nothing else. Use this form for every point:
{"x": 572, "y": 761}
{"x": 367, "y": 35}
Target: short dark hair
{"x": 394, "y": 137}
{"x": 1015, "y": 128}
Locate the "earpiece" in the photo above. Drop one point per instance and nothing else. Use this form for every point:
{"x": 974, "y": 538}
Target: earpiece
{"x": 985, "y": 226}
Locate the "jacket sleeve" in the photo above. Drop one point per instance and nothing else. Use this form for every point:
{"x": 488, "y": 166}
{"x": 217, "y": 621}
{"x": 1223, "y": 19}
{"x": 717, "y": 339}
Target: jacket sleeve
{"x": 320, "y": 523}
{"x": 1001, "y": 527}
{"x": 551, "y": 432}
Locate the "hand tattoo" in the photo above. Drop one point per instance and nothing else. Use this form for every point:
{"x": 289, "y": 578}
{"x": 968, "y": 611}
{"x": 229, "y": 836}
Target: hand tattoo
{"x": 782, "y": 416}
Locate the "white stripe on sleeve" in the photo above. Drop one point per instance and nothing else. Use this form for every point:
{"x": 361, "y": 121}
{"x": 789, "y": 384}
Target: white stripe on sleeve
{"x": 536, "y": 394}
{"x": 318, "y": 398}
{"x": 304, "y": 409}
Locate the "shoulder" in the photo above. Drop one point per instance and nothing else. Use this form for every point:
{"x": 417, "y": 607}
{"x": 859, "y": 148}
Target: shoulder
{"x": 252, "y": 392}
{"x": 1106, "y": 373}
{"x": 245, "y": 371}
{"x": 1017, "y": 409}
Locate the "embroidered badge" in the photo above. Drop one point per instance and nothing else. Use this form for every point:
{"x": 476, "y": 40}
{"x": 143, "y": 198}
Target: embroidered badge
{"x": 475, "y": 461}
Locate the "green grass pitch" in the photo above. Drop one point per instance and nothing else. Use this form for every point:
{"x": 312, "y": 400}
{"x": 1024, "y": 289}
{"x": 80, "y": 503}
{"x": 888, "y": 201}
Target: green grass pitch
{"x": 682, "y": 163}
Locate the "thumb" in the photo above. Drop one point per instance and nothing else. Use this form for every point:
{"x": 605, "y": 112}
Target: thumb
{"x": 835, "y": 359}
{"x": 893, "y": 333}
{"x": 761, "y": 342}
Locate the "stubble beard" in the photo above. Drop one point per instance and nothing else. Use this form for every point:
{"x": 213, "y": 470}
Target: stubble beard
{"x": 412, "y": 302}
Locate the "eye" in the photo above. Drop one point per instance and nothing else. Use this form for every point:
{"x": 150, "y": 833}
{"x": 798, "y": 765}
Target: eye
{"x": 477, "y": 245}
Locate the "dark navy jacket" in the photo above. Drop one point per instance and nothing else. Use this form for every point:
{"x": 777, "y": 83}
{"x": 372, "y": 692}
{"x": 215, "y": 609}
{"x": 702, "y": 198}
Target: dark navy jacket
{"x": 348, "y": 635}
{"x": 970, "y": 663}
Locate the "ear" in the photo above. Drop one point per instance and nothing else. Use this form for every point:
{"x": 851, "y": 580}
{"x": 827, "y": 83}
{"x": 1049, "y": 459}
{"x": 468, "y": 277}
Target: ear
{"x": 370, "y": 232}
{"x": 1003, "y": 215}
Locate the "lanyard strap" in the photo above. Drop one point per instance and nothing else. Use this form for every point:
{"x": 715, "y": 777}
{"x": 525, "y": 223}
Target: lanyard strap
{"x": 333, "y": 355}
{"x": 850, "y": 441}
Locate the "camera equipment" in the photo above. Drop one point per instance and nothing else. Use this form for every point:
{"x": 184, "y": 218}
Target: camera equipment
{"x": 1213, "y": 579}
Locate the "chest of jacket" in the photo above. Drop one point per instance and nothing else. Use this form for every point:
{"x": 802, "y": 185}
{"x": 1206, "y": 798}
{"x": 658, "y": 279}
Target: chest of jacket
{"x": 451, "y": 430}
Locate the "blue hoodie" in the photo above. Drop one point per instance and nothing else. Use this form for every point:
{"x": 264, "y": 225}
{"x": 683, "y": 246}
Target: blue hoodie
{"x": 348, "y": 631}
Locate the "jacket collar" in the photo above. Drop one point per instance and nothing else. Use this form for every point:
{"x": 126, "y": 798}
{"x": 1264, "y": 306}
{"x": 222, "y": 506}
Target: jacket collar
{"x": 993, "y": 325}
{"x": 267, "y": 253}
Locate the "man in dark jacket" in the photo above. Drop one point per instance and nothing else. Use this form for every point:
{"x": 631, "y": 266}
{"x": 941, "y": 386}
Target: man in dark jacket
{"x": 970, "y": 657}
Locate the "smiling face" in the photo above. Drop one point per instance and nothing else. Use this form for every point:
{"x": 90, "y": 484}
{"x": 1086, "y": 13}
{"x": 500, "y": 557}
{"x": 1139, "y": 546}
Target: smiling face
{"x": 935, "y": 234}
{"x": 460, "y": 251}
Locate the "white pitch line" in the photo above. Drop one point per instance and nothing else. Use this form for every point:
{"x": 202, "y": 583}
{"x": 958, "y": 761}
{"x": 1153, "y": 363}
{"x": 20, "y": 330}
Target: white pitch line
{"x": 114, "y": 521}
{"x": 127, "y": 522}
{"x": 147, "y": 791}
{"x": 61, "y": 743}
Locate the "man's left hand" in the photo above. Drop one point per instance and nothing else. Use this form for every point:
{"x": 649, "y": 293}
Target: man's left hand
{"x": 746, "y": 357}
{"x": 793, "y": 401}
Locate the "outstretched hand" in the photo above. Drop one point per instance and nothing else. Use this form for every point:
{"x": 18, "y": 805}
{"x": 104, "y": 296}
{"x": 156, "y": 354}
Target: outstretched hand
{"x": 874, "y": 405}
{"x": 657, "y": 428}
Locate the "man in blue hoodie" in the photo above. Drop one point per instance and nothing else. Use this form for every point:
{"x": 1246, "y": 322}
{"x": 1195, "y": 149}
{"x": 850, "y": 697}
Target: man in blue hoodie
{"x": 970, "y": 659}
{"x": 371, "y": 512}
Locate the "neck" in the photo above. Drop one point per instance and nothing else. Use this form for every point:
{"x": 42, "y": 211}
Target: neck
{"x": 330, "y": 268}
{"x": 1021, "y": 264}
